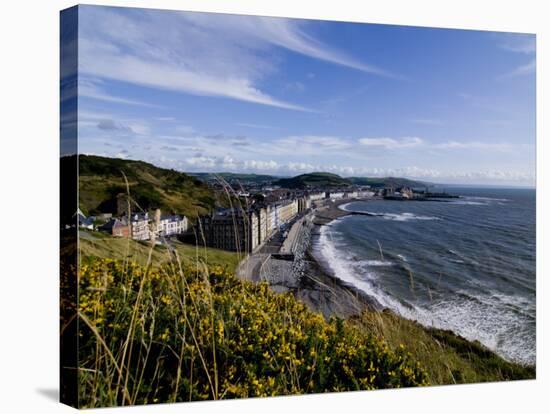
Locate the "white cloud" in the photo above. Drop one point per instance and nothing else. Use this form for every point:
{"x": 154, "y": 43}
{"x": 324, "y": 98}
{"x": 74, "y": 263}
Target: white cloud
{"x": 520, "y": 43}
{"x": 427, "y": 121}
{"x": 90, "y": 89}
{"x": 522, "y": 70}
{"x": 475, "y": 145}
{"x": 392, "y": 143}
{"x": 290, "y": 34}
{"x": 110, "y": 124}
{"x": 252, "y": 125}
{"x": 321, "y": 143}
{"x": 196, "y": 53}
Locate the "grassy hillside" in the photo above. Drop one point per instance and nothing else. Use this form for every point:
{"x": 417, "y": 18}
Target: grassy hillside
{"x": 100, "y": 245}
{"x": 387, "y": 182}
{"x": 196, "y": 332}
{"x": 182, "y": 333}
{"x": 234, "y": 177}
{"x": 101, "y": 180}
{"x": 316, "y": 179}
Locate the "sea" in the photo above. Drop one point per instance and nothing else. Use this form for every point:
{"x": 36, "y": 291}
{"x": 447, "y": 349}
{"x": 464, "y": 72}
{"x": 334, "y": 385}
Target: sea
{"x": 465, "y": 264}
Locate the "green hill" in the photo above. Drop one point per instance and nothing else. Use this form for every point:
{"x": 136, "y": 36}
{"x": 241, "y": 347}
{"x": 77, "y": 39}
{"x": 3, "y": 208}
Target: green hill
{"x": 101, "y": 180}
{"x": 387, "y": 182}
{"x": 235, "y": 177}
{"x": 315, "y": 179}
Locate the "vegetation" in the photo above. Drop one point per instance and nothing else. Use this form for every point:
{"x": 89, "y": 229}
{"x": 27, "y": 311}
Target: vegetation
{"x": 101, "y": 180}
{"x": 175, "y": 333}
{"x": 388, "y": 182}
{"x": 100, "y": 245}
{"x": 316, "y": 179}
{"x": 445, "y": 357}
{"x": 235, "y": 177}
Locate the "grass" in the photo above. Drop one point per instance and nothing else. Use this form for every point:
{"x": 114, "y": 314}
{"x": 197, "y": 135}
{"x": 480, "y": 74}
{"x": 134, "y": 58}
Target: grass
{"x": 101, "y": 181}
{"x": 94, "y": 244}
{"x": 173, "y": 333}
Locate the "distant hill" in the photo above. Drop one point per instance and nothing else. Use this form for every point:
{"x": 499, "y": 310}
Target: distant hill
{"x": 387, "y": 182}
{"x": 101, "y": 181}
{"x": 316, "y": 179}
{"x": 236, "y": 177}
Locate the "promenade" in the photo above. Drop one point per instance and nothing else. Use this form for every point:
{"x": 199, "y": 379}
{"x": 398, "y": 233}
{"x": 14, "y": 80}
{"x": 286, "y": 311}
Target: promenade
{"x": 287, "y": 264}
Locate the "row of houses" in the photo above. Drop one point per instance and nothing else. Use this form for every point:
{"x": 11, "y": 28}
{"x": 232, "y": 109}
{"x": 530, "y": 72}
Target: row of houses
{"x": 341, "y": 194}
{"x": 245, "y": 230}
{"x": 140, "y": 226}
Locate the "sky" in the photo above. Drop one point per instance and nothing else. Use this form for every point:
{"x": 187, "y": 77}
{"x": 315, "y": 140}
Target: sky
{"x": 204, "y": 92}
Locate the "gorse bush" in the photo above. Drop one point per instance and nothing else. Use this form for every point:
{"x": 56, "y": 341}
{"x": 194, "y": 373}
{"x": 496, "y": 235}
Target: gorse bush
{"x": 160, "y": 334}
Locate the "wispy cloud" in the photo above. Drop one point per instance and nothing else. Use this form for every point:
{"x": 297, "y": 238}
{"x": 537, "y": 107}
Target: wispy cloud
{"x": 201, "y": 54}
{"x": 519, "y": 43}
{"x": 527, "y": 69}
{"x": 392, "y": 143}
{"x": 416, "y": 142}
{"x": 90, "y": 89}
{"x": 290, "y": 34}
{"x": 252, "y": 125}
{"x": 113, "y": 125}
{"x": 498, "y": 146}
{"x": 427, "y": 121}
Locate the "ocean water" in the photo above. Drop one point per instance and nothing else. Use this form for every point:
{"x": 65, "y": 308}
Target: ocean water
{"x": 467, "y": 264}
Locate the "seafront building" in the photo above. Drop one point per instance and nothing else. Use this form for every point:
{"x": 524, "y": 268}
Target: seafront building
{"x": 172, "y": 225}
{"x": 337, "y": 195}
{"x": 230, "y": 229}
{"x": 141, "y": 226}
{"x": 245, "y": 230}
{"x": 317, "y": 196}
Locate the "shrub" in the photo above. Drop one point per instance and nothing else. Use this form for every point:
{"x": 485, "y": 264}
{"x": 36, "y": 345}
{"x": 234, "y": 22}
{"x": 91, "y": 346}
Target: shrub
{"x": 160, "y": 334}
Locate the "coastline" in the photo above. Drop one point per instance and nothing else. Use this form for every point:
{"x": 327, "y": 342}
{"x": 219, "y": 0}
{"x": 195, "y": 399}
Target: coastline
{"x": 312, "y": 282}
{"x": 363, "y": 304}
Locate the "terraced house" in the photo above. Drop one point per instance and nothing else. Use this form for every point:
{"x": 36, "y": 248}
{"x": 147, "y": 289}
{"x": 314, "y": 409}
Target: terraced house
{"x": 243, "y": 231}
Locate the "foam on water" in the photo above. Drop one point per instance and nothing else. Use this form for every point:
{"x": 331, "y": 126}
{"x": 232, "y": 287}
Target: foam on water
{"x": 339, "y": 265}
{"x": 497, "y": 320}
{"x": 396, "y": 216}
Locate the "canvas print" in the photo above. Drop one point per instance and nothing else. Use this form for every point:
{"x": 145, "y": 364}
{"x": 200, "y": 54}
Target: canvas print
{"x": 256, "y": 206}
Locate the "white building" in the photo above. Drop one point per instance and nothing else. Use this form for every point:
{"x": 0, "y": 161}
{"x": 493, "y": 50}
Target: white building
{"x": 365, "y": 194}
{"x": 172, "y": 225}
{"x": 337, "y": 195}
{"x": 317, "y": 196}
{"x": 140, "y": 226}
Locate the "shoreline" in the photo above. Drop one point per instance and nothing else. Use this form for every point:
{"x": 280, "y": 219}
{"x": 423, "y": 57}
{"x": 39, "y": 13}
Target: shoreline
{"x": 338, "y": 298}
{"x": 313, "y": 283}
{"x": 333, "y": 212}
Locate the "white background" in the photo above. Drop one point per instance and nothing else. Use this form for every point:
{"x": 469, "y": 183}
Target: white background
{"x": 29, "y": 148}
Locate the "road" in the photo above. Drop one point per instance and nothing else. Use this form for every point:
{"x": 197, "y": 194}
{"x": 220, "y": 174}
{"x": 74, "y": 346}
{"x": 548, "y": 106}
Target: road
{"x": 257, "y": 265}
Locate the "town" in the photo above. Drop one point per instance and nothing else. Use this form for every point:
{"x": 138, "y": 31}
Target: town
{"x": 261, "y": 212}
{"x": 242, "y": 229}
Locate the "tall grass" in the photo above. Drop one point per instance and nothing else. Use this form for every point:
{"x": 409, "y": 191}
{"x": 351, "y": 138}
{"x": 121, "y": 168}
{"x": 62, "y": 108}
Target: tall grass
{"x": 170, "y": 333}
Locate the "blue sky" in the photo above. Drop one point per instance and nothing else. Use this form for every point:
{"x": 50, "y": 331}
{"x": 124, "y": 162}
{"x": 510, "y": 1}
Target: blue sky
{"x": 213, "y": 92}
